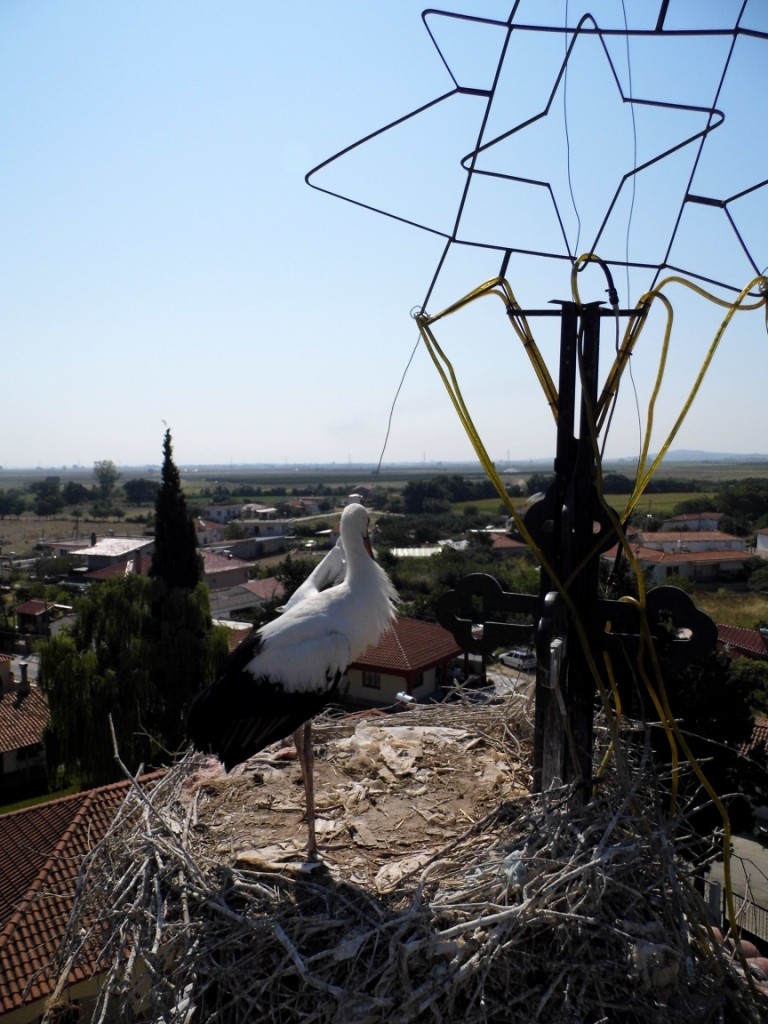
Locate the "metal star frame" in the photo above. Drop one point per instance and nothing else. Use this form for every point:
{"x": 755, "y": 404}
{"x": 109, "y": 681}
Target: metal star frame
{"x": 479, "y": 160}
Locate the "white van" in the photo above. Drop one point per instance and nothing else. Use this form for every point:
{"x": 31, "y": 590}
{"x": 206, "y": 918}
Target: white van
{"x": 519, "y": 657}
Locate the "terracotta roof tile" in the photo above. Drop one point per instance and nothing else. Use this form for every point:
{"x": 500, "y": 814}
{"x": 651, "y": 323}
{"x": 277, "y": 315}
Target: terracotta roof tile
{"x": 750, "y": 642}
{"x": 409, "y": 645}
{"x": 213, "y": 562}
{"x": 270, "y": 589}
{"x": 503, "y": 542}
{"x": 656, "y": 557}
{"x": 23, "y": 716}
{"x": 42, "y": 850}
{"x": 33, "y": 607}
{"x": 757, "y": 746}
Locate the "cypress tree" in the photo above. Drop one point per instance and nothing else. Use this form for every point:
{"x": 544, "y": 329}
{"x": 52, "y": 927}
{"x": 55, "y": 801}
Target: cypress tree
{"x": 186, "y": 650}
{"x": 139, "y": 651}
{"x": 176, "y": 560}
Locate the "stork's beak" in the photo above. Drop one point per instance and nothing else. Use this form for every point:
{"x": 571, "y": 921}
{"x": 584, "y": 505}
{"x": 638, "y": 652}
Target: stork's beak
{"x": 367, "y": 544}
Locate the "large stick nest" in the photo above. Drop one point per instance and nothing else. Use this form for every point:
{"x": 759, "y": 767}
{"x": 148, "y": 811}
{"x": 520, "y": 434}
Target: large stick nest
{"x": 446, "y": 890}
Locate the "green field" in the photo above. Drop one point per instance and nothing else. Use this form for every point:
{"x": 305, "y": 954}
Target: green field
{"x": 272, "y": 484}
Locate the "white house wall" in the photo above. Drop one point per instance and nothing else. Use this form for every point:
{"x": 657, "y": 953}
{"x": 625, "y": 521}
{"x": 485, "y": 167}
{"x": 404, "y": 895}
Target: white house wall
{"x": 389, "y": 687}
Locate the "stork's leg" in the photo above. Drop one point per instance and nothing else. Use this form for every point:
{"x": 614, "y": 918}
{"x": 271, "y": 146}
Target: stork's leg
{"x": 303, "y": 740}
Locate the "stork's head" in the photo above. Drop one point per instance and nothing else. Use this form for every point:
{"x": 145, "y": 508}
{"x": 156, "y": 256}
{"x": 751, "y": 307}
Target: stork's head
{"x": 354, "y": 525}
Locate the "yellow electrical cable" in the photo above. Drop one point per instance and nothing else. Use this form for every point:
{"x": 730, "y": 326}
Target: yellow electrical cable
{"x": 450, "y": 381}
{"x": 500, "y": 288}
{"x": 732, "y": 308}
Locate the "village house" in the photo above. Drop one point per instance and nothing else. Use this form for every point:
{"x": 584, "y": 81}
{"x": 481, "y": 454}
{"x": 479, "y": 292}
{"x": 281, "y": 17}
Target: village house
{"x": 705, "y": 557}
{"x": 263, "y": 513}
{"x": 222, "y": 513}
{"x": 113, "y": 550}
{"x": 23, "y": 716}
{"x": 695, "y": 521}
{"x": 223, "y": 571}
{"x": 34, "y": 616}
{"x": 503, "y": 543}
{"x": 761, "y": 543}
{"x": 43, "y": 848}
{"x": 411, "y": 657}
{"x": 233, "y": 602}
{"x": 743, "y": 643}
{"x": 208, "y": 532}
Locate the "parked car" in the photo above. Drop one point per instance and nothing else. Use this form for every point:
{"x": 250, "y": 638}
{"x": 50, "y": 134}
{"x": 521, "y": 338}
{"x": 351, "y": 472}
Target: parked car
{"x": 520, "y": 658}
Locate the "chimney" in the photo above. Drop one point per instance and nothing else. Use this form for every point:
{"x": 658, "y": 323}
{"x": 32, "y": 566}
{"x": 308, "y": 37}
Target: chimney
{"x": 23, "y": 677}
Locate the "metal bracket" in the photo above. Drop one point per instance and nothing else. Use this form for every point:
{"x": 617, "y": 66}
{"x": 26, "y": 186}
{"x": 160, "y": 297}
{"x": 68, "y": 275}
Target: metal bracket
{"x": 475, "y": 614}
{"x": 477, "y": 610}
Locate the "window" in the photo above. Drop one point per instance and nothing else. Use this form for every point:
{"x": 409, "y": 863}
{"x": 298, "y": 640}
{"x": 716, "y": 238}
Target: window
{"x": 371, "y": 680}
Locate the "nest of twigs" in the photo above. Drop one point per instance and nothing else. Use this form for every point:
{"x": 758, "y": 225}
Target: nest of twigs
{"x": 531, "y": 908}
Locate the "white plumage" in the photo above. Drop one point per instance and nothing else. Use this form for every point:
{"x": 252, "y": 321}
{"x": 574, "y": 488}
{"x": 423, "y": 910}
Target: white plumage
{"x": 287, "y": 671}
{"x": 328, "y": 573}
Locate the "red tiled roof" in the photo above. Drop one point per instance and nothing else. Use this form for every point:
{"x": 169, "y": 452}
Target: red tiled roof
{"x": 117, "y": 569}
{"x": 655, "y": 557}
{"x": 220, "y": 563}
{"x": 270, "y": 589}
{"x": 750, "y": 642}
{"x": 409, "y": 645}
{"x": 690, "y": 537}
{"x": 42, "y": 850}
{"x": 23, "y": 716}
{"x": 757, "y": 744}
{"x": 237, "y": 636}
{"x": 694, "y": 517}
{"x": 33, "y": 607}
{"x": 503, "y": 542}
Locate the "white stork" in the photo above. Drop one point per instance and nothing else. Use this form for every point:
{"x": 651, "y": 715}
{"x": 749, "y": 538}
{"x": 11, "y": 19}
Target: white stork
{"x": 327, "y": 573}
{"x": 284, "y": 673}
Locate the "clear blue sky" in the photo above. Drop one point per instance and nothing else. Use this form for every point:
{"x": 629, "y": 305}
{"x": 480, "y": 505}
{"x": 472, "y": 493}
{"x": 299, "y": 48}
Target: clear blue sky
{"x": 163, "y": 258}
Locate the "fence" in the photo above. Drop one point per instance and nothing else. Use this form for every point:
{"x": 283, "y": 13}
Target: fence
{"x": 751, "y": 918}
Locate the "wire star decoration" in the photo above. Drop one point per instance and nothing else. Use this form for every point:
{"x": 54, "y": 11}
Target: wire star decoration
{"x": 518, "y": 187}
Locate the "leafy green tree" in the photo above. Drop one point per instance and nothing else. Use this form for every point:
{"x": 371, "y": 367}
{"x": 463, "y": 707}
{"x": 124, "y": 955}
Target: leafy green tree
{"x": 141, "y": 491}
{"x": 75, "y": 493}
{"x": 11, "y": 503}
{"x": 292, "y": 572}
{"x": 538, "y": 483}
{"x": 175, "y": 560}
{"x": 107, "y": 475}
{"x": 617, "y": 483}
{"x": 694, "y": 505}
{"x": 758, "y": 579}
{"x": 48, "y": 499}
{"x": 99, "y": 670}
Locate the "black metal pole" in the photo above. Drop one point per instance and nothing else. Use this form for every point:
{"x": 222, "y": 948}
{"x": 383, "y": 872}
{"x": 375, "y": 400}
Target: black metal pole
{"x": 580, "y": 698}
{"x": 565, "y": 686}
